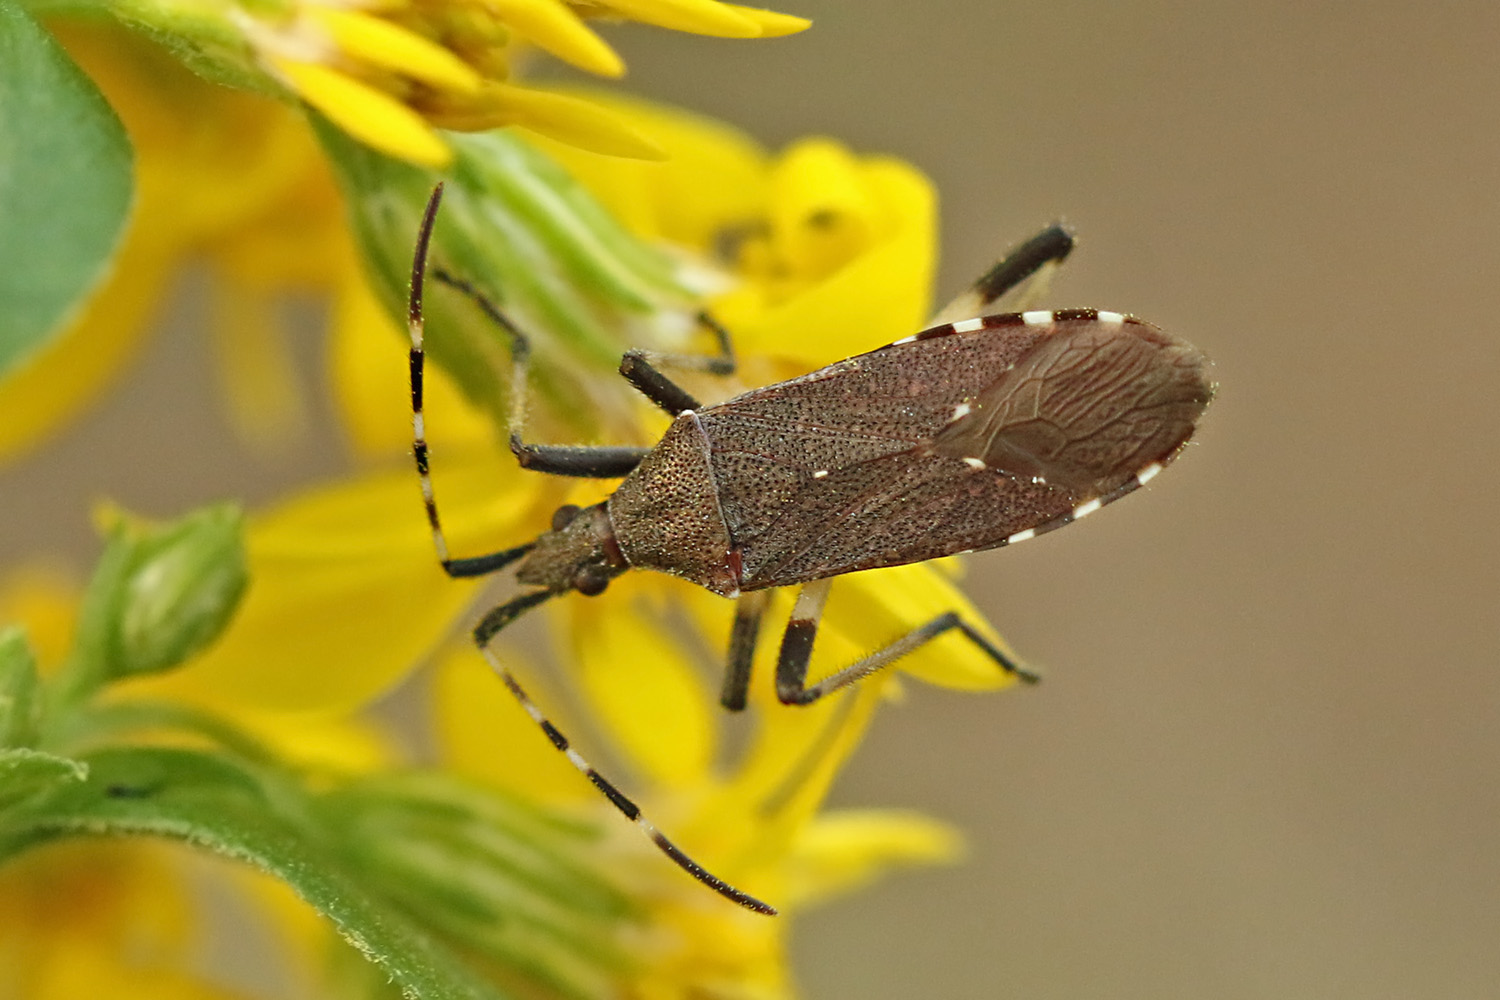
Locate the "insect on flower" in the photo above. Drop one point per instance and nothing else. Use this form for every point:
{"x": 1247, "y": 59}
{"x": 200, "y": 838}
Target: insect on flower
{"x": 969, "y": 435}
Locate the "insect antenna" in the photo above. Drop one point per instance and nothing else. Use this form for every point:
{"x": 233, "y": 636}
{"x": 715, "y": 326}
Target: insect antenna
{"x": 416, "y": 364}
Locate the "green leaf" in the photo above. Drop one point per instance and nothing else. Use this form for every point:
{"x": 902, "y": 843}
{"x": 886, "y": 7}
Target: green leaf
{"x": 217, "y": 805}
{"x": 24, "y": 772}
{"x": 65, "y": 187}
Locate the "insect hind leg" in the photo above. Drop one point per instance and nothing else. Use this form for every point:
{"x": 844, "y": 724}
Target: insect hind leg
{"x": 797, "y": 643}
{"x": 1016, "y": 282}
{"x": 483, "y": 633}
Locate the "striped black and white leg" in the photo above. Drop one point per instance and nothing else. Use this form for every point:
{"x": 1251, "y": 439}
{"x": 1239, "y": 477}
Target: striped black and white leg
{"x": 556, "y": 459}
{"x": 1015, "y": 283}
{"x": 627, "y": 807}
{"x": 802, "y": 629}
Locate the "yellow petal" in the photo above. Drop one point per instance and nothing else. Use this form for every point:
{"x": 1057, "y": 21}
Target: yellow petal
{"x": 43, "y": 599}
{"x": 713, "y": 180}
{"x": 701, "y": 17}
{"x": 322, "y": 743}
{"x": 880, "y": 295}
{"x": 484, "y": 734}
{"x": 346, "y": 595}
{"x": 842, "y": 851}
{"x": 772, "y": 23}
{"x": 369, "y": 115}
{"x": 263, "y": 389}
{"x": 568, "y": 119}
{"x": 645, "y": 690}
{"x": 383, "y": 43}
{"x": 554, "y": 27}
{"x": 822, "y": 213}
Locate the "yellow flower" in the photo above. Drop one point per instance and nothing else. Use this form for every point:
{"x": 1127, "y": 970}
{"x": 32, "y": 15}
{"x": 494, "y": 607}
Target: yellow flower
{"x": 391, "y": 73}
{"x": 755, "y": 822}
{"x": 220, "y": 175}
{"x": 103, "y": 918}
{"x": 346, "y": 573}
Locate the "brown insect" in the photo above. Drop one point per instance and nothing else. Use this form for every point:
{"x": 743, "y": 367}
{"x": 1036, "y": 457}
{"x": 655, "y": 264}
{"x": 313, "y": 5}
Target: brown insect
{"x": 970, "y": 435}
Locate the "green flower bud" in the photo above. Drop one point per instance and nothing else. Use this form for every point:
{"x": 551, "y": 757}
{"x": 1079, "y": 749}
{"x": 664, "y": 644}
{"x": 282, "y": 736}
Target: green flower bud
{"x": 532, "y": 240}
{"x": 179, "y": 586}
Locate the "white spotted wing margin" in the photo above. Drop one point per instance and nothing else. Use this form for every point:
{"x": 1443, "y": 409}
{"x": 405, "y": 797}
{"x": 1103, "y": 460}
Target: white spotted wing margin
{"x": 968, "y": 436}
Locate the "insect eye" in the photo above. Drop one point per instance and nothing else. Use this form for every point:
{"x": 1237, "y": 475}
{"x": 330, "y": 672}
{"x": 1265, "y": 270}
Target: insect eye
{"x": 590, "y": 581}
{"x": 564, "y": 516}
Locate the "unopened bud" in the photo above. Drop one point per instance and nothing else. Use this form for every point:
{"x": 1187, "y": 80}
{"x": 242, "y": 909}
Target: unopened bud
{"x": 181, "y": 583}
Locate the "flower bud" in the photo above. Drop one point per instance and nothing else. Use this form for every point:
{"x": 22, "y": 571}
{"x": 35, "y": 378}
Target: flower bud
{"x": 180, "y": 584}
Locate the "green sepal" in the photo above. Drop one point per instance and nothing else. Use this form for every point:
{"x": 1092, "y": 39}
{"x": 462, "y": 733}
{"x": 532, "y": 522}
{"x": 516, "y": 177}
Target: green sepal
{"x": 19, "y": 707}
{"x": 518, "y": 228}
{"x": 508, "y": 882}
{"x": 159, "y": 594}
{"x": 180, "y": 588}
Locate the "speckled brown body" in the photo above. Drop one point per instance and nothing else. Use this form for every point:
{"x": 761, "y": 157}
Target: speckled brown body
{"x": 964, "y": 437}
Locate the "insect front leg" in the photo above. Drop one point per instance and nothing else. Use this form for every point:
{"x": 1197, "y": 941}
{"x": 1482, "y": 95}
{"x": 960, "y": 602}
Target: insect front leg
{"x": 802, "y": 629}
{"x": 586, "y": 461}
{"x": 640, "y": 369}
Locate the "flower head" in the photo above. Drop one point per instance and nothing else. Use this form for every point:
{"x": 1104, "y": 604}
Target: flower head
{"x": 391, "y": 73}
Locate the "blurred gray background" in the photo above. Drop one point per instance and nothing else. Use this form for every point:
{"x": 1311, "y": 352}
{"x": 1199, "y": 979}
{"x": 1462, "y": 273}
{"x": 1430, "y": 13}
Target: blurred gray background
{"x": 1263, "y": 763}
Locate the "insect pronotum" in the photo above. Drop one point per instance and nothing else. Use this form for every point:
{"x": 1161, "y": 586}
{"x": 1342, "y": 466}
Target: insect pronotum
{"x": 973, "y": 434}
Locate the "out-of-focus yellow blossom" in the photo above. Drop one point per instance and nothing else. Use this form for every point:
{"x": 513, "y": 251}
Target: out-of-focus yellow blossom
{"x": 122, "y": 918}
{"x": 391, "y": 73}
{"x": 98, "y": 918}
{"x": 346, "y": 573}
{"x": 224, "y": 177}
{"x": 754, "y": 820}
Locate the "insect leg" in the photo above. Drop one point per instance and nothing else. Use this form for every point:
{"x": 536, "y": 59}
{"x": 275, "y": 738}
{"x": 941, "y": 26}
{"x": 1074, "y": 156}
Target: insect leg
{"x": 748, "y": 611}
{"x": 483, "y": 633}
{"x": 640, "y": 369}
{"x": 1030, "y": 265}
{"x": 592, "y": 461}
{"x": 797, "y": 643}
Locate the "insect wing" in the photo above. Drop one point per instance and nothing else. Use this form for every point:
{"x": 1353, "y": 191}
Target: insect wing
{"x": 1092, "y": 404}
{"x": 900, "y": 455}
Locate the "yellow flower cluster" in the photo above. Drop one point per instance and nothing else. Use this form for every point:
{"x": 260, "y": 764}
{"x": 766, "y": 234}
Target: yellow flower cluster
{"x": 392, "y": 71}
{"x": 827, "y": 253}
